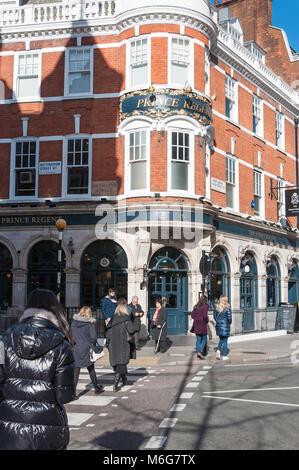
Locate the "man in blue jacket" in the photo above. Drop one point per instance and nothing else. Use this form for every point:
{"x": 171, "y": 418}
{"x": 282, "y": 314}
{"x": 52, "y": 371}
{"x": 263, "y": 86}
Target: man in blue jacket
{"x": 109, "y": 304}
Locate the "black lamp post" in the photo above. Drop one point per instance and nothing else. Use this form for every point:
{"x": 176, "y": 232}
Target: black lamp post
{"x": 205, "y": 268}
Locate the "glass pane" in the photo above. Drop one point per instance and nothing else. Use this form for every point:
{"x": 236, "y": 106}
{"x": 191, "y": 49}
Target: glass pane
{"x": 25, "y": 183}
{"x": 138, "y": 175}
{"x": 78, "y": 180}
{"x": 179, "y": 73}
{"x": 79, "y": 82}
{"x": 229, "y": 195}
{"x": 179, "y": 176}
{"x": 28, "y": 87}
{"x": 139, "y": 74}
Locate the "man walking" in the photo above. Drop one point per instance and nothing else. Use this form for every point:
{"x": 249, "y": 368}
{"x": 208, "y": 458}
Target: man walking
{"x": 109, "y": 304}
{"x": 136, "y": 313}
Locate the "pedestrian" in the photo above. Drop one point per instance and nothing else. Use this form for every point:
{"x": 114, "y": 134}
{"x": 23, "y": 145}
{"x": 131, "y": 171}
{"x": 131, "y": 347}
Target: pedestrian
{"x": 136, "y": 313}
{"x": 84, "y": 334}
{"x": 37, "y": 378}
{"x": 159, "y": 327}
{"x": 120, "y": 342}
{"x": 109, "y": 304}
{"x": 223, "y": 316}
{"x": 201, "y": 320}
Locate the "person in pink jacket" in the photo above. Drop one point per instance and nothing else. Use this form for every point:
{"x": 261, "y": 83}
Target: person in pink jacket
{"x": 201, "y": 319}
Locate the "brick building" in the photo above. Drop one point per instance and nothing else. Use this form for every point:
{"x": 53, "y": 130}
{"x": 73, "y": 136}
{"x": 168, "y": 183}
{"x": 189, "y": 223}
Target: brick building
{"x": 175, "y": 124}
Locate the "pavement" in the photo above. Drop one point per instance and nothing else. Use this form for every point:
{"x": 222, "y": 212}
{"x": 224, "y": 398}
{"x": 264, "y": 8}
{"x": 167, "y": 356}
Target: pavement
{"x": 181, "y": 350}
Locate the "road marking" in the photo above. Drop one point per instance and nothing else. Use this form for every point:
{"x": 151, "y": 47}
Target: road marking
{"x": 254, "y": 390}
{"x": 90, "y": 425}
{"x": 76, "y": 419}
{"x": 192, "y": 385}
{"x": 202, "y": 372}
{"x": 103, "y": 414}
{"x": 207, "y": 367}
{"x": 93, "y": 401}
{"x": 178, "y": 407}
{"x": 168, "y": 423}
{"x": 156, "y": 442}
{"x": 186, "y": 396}
{"x": 252, "y": 401}
{"x": 197, "y": 379}
{"x": 258, "y": 364}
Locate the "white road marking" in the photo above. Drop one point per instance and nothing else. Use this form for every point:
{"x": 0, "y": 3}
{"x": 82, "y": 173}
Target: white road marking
{"x": 202, "y": 372}
{"x": 192, "y": 385}
{"x": 253, "y": 390}
{"x": 168, "y": 423}
{"x": 90, "y": 425}
{"x": 197, "y": 379}
{"x": 93, "y": 401}
{"x": 156, "y": 442}
{"x": 252, "y": 401}
{"x": 207, "y": 367}
{"x": 186, "y": 396}
{"x": 103, "y": 414}
{"x": 76, "y": 419}
{"x": 259, "y": 364}
{"x": 178, "y": 407}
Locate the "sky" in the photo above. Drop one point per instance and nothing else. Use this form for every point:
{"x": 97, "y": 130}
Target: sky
{"x": 286, "y": 16}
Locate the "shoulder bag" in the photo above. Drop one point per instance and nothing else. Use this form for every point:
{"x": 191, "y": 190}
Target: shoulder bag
{"x": 96, "y": 351}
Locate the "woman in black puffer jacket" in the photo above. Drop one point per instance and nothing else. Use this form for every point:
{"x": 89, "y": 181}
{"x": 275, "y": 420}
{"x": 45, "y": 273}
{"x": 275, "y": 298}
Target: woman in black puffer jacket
{"x": 37, "y": 378}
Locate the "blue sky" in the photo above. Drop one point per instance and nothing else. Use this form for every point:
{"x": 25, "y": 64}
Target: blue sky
{"x": 286, "y": 16}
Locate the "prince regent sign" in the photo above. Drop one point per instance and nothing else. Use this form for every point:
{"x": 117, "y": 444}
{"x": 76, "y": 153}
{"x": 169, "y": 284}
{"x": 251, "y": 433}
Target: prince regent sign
{"x": 160, "y": 104}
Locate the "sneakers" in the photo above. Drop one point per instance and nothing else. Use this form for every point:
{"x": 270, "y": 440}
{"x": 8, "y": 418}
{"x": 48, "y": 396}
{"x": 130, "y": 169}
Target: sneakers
{"x": 218, "y": 355}
{"x": 225, "y": 358}
{"x": 200, "y": 355}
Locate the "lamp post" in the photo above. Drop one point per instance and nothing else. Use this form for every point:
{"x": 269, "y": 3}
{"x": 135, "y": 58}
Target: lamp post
{"x": 60, "y": 225}
{"x": 205, "y": 267}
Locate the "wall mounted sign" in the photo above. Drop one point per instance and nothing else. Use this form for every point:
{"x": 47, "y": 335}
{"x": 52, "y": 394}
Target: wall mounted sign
{"x": 160, "y": 104}
{"x": 104, "y": 188}
{"x": 49, "y": 168}
{"x": 292, "y": 202}
{"x": 218, "y": 185}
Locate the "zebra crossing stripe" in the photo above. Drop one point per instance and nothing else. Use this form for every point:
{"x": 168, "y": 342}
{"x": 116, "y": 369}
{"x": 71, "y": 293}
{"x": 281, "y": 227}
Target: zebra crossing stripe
{"x": 156, "y": 442}
{"x": 76, "y": 419}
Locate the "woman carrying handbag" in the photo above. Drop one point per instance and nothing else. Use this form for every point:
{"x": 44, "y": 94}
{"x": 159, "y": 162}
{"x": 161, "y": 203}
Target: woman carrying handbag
{"x": 201, "y": 320}
{"x": 84, "y": 335}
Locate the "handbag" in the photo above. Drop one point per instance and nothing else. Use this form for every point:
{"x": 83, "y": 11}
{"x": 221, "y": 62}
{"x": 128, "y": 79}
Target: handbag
{"x": 130, "y": 338}
{"x": 192, "y": 328}
{"x": 96, "y": 352}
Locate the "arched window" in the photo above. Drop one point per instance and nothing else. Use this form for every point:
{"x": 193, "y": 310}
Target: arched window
{"x": 273, "y": 282}
{"x": 248, "y": 291}
{"x": 293, "y": 284}
{"x": 104, "y": 265}
{"x": 219, "y": 275}
{"x": 43, "y": 267}
{"x": 5, "y": 277}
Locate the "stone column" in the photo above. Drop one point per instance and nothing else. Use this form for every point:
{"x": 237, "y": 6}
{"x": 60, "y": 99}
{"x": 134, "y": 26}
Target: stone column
{"x": 72, "y": 287}
{"x": 285, "y": 289}
{"x": 19, "y": 288}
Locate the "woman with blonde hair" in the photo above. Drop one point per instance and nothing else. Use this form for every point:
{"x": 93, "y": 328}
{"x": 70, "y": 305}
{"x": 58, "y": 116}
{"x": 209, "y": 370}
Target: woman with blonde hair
{"x": 223, "y": 316}
{"x": 84, "y": 334}
{"x": 120, "y": 343}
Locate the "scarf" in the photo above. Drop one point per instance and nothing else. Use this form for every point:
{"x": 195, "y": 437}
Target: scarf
{"x": 155, "y": 317}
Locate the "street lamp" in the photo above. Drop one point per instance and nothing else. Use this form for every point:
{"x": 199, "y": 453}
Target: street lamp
{"x": 60, "y": 225}
{"x": 205, "y": 267}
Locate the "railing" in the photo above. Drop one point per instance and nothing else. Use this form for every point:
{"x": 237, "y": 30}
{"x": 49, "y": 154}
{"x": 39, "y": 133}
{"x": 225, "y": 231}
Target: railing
{"x": 69, "y": 312}
{"x": 52, "y": 12}
{"x": 242, "y": 52}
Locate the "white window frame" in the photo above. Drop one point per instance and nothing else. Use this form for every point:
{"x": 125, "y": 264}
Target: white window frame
{"x": 181, "y": 127}
{"x": 231, "y": 93}
{"x": 67, "y": 71}
{"x": 280, "y": 142}
{"x": 190, "y": 68}
{"x": 280, "y": 199}
{"x": 16, "y": 75}
{"x": 234, "y": 183}
{"x": 129, "y": 65}
{"x": 64, "y": 191}
{"x": 257, "y": 111}
{"x": 13, "y": 169}
{"x": 136, "y": 126}
{"x": 259, "y": 191}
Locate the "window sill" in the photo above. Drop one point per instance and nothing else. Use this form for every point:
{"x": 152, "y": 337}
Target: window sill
{"x": 259, "y": 138}
{"x": 234, "y": 123}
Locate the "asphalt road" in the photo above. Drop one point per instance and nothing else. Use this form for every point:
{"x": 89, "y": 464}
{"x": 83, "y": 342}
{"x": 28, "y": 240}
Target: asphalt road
{"x": 238, "y": 407}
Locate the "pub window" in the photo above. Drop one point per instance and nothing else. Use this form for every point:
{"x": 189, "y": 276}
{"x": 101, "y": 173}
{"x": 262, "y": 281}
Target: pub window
{"x": 138, "y": 160}
{"x": 28, "y": 76}
{"x": 230, "y": 182}
{"x": 25, "y": 169}
{"x": 180, "y": 160}
{"x": 77, "y": 166}
{"x": 279, "y": 129}
{"x": 257, "y": 176}
{"x": 230, "y": 98}
{"x": 256, "y": 115}
{"x": 79, "y": 71}
{"x": 139, "y": 62}
{"x": 180, "y": 60}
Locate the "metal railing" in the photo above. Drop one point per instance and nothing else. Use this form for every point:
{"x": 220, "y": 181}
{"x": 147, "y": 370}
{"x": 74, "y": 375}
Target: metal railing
{"x": 100, "y": 325}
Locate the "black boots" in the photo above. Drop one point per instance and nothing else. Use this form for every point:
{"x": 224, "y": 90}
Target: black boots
{"x": 124, "y": 379}
{"x": 116, "y": 382}
{"x": 98, "y": 389}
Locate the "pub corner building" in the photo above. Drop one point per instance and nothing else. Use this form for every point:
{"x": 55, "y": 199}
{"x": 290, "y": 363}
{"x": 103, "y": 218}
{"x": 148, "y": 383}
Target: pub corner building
{"x": 182, "y": 118}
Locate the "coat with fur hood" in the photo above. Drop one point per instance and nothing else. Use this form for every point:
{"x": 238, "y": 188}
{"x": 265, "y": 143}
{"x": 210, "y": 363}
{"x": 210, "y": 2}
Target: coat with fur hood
{"x": 83, "y": 333}
{"x": 36, "y": 379}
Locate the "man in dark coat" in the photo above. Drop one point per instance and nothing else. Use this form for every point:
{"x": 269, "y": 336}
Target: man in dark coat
{"x": 109, "y": 304}
{"x": 36, "y": 379}
{"x": 136, "y": 314}
{"x": 120, "y": 349}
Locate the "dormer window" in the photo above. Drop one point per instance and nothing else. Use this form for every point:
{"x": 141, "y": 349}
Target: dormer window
{"x": 231, "y": 25}
{"x": 256, "y": 50}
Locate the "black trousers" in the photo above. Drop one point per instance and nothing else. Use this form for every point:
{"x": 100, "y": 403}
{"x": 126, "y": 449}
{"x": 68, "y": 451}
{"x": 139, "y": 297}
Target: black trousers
{"x": 92, "y": 374}
{"x": 162, "y": 346}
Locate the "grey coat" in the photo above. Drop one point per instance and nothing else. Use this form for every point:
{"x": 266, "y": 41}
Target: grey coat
{"x": 83, "y": 333}
{"x": 120, "y": 350}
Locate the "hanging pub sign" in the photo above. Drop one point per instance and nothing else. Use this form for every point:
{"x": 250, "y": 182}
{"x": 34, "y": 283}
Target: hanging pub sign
{"x": 292, "y": 202}
{"x": 159, "y": 104}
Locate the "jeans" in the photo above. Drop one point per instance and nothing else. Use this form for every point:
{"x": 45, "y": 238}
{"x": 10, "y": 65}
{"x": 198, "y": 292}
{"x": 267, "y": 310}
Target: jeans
{"x": 223, "y": 343}
{"x": 201, "y": 341}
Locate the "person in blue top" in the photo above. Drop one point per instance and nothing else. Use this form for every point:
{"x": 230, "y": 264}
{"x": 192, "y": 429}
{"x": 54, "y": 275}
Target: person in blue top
{"x": 223, "y": 316}
{"x": 109, "y": 304}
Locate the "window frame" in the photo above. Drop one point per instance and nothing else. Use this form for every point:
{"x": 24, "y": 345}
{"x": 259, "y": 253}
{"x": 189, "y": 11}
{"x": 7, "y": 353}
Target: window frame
{"x": 257, "y": 104}
{"x": 191, "y": 163}
{"x": 190, "y": 68}
{"x": 13, "y": 169}
{"x": 234, "y": 184}
{"x": 17, "y": 56}
{"x": 234, "y": 116}
{"x": 133, "y": 128}
{"x": 279, "y": 141}
{"x": 129, "y": 64}
{"x": 64, "y": 191}
{"x": 67, "y": 71}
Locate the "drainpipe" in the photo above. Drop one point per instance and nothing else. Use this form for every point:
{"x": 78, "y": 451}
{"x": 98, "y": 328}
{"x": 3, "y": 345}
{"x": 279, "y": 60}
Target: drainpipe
{"x": 297, "y": 162}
